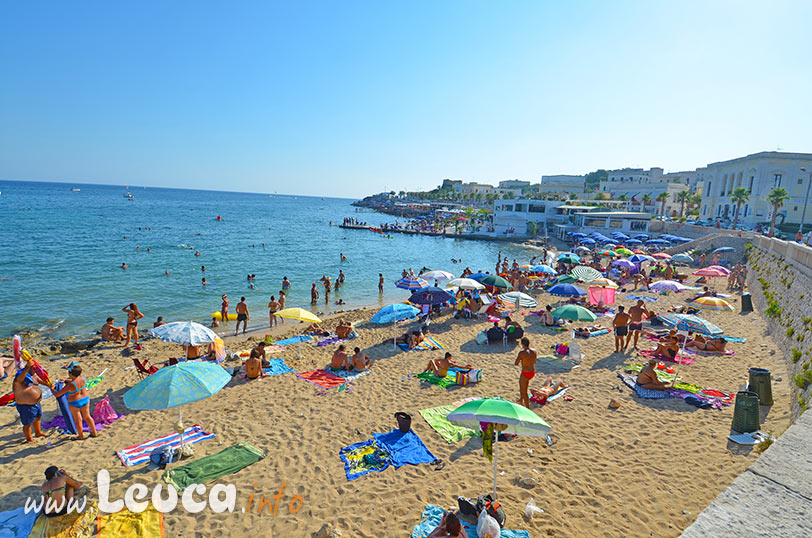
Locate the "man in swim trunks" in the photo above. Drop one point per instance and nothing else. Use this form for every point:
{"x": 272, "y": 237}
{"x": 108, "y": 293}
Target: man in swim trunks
{"x": 314, "y": 294}
{"x": 636, "y": 322}
{"x": 158, "y": 322}
{"x": 27, "y": 396}
{"x": 621, "y": 325}
{"x": 527, "y": 358}
{"x": 440, "y": 366}
{"x": 78, "y": 400}
{"x": 242, "y": 316}
{"x": 111, "y": 333}
{"x": 339, "y": 360}
{"x": 647, "y": 378}
{"x": 285, "y": 283}
{"x": 360, "y": 361}
{"x": 273, "y": 306}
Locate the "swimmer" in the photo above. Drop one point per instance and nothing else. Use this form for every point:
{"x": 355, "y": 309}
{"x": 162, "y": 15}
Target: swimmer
{"x": 166, "y": 272}
{"x": 340, "y": 302}
{"x": 204, "y": 281}
{"x": 137, "y": 248}
{"x": 197, "y": 253}
{"x": 149, "y": 249}
{"x": 343, "y": 257}
{"x": 203, "y": 268}
{"x": 285, "y": 283}
{"x": 123, "y": 265}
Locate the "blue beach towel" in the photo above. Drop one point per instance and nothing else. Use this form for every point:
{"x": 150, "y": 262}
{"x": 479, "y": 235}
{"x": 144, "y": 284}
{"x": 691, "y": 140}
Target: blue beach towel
{"x": 649, "y": 394}
{"x": 293, "y": 340}
{"x": 404, "y": 448}
{"x": 737, "y": 339}
{"x": 432, "y": 515}
{"x": 16, "y": 523}
{"x": 362, "y": 458}
{"x": 641, "y": 298}
{"x": 277, "y": 367}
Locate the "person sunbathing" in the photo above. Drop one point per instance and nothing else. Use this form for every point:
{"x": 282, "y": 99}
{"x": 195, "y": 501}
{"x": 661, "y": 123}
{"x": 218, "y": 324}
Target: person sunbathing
{"x": 668, "y": 346}
{"x": 449, "y": 527}
{"x": 317, "y": 329}
{"x": 711, "y": 345}
{"x": 339, "y": 360}
{"x": 647, "y": 378}
{"x": 360, "y": 361}
{"x": 440, "y": 366}
{"x": 548, "y": 389}
{"x": 586, "y": 332}
{"x": 58, "y": 488}
{"x": 414, "y": 339}
{"x": 110, "y": 333}
{"x": 548, "y": 319}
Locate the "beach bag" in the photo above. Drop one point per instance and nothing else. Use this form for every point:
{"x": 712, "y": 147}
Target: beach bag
{"x": 159, "y": 457}
{"x": 461, "y": 379}
{"x": 104, "y": 412}
{"x": 487, "y": 526}
{"x": 482, "y": 338}
{"x": 485, "y": 503}
{"x": 562, "y": 349}
{"x": 268, "y": 339}
{"x": 467, "y": 506}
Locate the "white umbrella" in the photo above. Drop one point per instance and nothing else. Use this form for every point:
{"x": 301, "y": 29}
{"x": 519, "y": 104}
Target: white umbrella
{"x": 519, "y": 299}
{"x": 465, "y": 284}
{"x": 437, "y": 275}
{"x": 185, "y": 333}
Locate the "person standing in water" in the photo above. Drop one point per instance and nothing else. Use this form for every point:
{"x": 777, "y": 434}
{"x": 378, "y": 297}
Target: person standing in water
{"x": 285, "y": 283}
{"x": 242, "y": 316}
{"x": 224, "y": 309}
{"x": 133, "y": 315}
{"x": 282, "y": 299}
{"x": 314, "y": 294}
{"x": 380, "y": 283}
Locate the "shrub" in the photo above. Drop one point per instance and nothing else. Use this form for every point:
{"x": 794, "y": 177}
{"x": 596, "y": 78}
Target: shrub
{"x": 796, "y": 355}
{"x": 790, "y": 332}
{"x": 773, "y": 310}
{"x": 802, "y": 403}
{"x": 803, "y": 379}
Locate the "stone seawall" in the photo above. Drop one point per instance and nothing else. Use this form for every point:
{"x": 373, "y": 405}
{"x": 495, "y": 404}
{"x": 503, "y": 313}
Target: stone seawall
{"x": 780, "y": 281}
{"x": 713, "y": 241}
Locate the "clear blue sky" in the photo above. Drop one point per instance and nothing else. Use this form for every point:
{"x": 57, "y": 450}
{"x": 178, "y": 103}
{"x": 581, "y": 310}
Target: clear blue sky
{"x": 349, "y": 98}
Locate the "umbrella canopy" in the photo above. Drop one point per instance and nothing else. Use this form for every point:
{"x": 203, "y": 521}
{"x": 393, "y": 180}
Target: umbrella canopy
{"x": 668, "y": 285}
{"x": 395, "y": 312}
{"x": 633, "y": 242}
{"x": 623, "y": 263}
{"x": 640, "y": 258}
{"x": 581, "y": 248}
{"x": 713, "y": 303}
{"x": 682, "y": 258}
{"x": 711, "y": 271}
{"x": 603, "y": 283}
{"x": 495, "y": 281}
{"x": 518, "y": 419}
{"x": 544, "y": 269}
{"x": 176, "y": 385}
{"x": 430, "y": 295}
{"x": 724, "y": 249}
{"x": 642, "y": 237}
{"x": 638, "y": 251}
{"x": 569, "y": 257}
{"x": 586, "y": 273}
{"x": 437, "y": 275}
{"x": 523, "y": 299}
{"x": 624, "y": 251}
{"x": 661, "y": 256}
{"x": 565, "y": 279}
{"x": 687, "y": 322}
{"x": 187, "y": 333}
{"x": 609, "y": 253}
{"x": 465, "y": 284}
{"x": 477, "y": 276}
{"x": 411, "y": 283}
{"x": 573, "y": 312}
{"x": 576, "y": 234}
{"x": 566, "y": 290}
{"x": 299, "y": 314}
{"x": 587, "y": 241}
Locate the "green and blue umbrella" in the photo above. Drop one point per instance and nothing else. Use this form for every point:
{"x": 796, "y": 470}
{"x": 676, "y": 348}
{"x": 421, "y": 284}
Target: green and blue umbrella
{"x": 566, "y": 290}
{"x": 688, "y": 322}
{"x": 392, "y": 314}
{"x": 569, "y": 257}
{"x": 572, "y": 312}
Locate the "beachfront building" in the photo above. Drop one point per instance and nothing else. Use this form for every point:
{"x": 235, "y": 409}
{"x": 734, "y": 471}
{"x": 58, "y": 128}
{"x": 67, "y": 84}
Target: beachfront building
{"x": 562, "y": 184}
{"x": 759, "y": 173}
{"x": 513, "y": 184}
{"x": 605, "y": 222}
{"x": 513, "y": 217}
{"x": 633, "y": 184}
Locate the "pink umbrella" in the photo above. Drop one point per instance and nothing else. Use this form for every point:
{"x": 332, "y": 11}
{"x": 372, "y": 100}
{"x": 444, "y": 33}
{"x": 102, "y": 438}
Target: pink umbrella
{"x": 661, "y": 256}
{"x": 711, "y": 271}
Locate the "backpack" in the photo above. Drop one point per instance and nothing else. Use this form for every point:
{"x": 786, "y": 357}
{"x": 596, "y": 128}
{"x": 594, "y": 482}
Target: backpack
{"x": 494, "y": 509}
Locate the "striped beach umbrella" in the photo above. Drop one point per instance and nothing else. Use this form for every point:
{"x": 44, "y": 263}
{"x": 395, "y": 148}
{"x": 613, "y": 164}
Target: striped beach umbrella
{"x": 185, "y": 333}
{"x": 603, "y": 283}
{"x": 687, "y": 322}
{"x": 713, "y": 303}
{"x": 661, "y": 256}
{"x": 518, "y": 298}
{"x": 411, "y": 283}
{"x": 585, "y": 273}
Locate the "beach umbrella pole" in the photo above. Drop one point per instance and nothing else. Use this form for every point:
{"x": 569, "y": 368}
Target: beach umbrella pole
{"x": 495, "y": 443}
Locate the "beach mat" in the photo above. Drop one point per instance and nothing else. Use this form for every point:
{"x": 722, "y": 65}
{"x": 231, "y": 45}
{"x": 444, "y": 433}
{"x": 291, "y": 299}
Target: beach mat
{"x": 651, "y": 394}
{"x": 680, "y": 359}
{"x": 322, "y": 378}
{"x": 293, "y": 340}
{"x": 596, "y": 333}
{"x": 451, "y": 433}
{"x": 694, "y": 394}
{"x": 348, "y": 375}
{"x": 552, "y": 398}
{"x": 403, "y": 448}
{"x": 448, "y": 381}
{"x": 362, "y": 458}
{"x": 736, "y": 339}
{"x": 554, "y": 365}
{"x": 16, "y": 523}
{"x": 644, "y": 298}
{"x": 427, "y": 344}
{"x": 277, "y": 367}
{"x": 71, "y": 525}
{"x": 138, "y": 454}
{"x": 147, "y": 524}
{"x": 432, "y": 515}
{"x": 208, "y": 468}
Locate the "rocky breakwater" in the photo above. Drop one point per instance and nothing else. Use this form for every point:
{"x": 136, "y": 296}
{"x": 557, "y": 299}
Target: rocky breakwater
{"x": 42, "y": 347}
{"x": 782, "y": 292}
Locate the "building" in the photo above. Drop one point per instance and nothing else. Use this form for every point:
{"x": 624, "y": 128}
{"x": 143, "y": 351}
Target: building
{"x": 759, "y": 173}
{"x": 512, "y": 217}
{"x": 513, "y": 184}
{"x": 605, "y": 222}
{"x": 562, "y": 184}
{"x": 635, "y": 183}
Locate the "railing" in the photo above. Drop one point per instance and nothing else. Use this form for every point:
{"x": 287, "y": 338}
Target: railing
{"x": 800, "y": 256}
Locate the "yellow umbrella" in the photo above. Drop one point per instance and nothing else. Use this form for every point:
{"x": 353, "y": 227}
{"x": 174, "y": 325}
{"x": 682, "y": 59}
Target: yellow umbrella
{"x": 300, "y": 314}
{"x": 713, "y": 303}
{"x": 602, "y": 283}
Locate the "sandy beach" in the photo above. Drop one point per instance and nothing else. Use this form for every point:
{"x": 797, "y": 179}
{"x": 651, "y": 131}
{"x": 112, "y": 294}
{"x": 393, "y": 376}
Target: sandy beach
{"x": 645, "y": 469}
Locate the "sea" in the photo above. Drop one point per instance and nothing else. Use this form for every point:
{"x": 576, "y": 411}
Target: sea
{"x": 61, "y": 252}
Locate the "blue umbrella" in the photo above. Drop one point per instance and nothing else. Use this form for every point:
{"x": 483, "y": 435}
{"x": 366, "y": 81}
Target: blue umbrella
{"x": 576, "y": 234}
{"x": 657, "y": 241}
{"x": 723, "y": 249}
{"x": 587, "y": 241}
{"x": 477, "y": 276}
{"x": 430, "y": 296}
{"x": 392, "y": 314}
{"x": 543, "y": 269}
{"x": 186, "y": 333}
{"x": 633, "y": 242}
{"x": 640, "y": 258}
{"x": 411, "y": 283}
{"x": 687, "y": 322}
{"x": 641, "y": 236}
{"x": 566, "y": 290}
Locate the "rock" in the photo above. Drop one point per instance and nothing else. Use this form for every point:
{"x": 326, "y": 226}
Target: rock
{"x": 685, "y": 512}
{"x": 327, "y": 531}
{"x": 779, "y": 378}
{"x": 528, "y": 482}
{"x": 78, "y": 345}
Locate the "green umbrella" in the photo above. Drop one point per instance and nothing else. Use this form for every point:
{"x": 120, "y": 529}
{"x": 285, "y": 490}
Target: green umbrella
{"x": 495, "y": 281}
{"x": 518, "y": 420}
{"x": 574, "y": 312}
{"x": 565, "y": 279}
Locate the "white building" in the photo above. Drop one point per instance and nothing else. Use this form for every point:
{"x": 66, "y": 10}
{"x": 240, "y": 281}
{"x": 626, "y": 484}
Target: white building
{"x": 605, "y": 222}
{"x": 511, "y": 217}
{"x": 562, "y": 184}
{"x": 513, "y": 184}
{"x": 635, "y": 183}
{"x": 759, "y": 173}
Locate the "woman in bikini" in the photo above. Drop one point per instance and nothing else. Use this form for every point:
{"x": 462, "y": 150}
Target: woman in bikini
{"x": 281, "y": 302}
{"x": 224, "y": 309}
{"x": 59, "y": 489}
{"x": 711, "y": 345}
{"x": 78, "y": 400}
{"x": 647, "y": 378}
{"x": 133, "y": 315}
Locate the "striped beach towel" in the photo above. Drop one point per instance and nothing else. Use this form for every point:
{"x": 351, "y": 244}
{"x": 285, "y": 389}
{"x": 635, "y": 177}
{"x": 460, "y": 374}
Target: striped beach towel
{"x": 428, "y": 343}
{"x": 138, "y": 454}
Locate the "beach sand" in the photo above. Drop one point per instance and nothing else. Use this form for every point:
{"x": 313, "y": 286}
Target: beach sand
{"x": 645, "y": 469}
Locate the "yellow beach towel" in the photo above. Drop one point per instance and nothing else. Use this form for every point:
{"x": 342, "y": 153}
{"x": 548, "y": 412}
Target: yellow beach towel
{"x": 147, "y": 524}
{"x": 71, "y": 525}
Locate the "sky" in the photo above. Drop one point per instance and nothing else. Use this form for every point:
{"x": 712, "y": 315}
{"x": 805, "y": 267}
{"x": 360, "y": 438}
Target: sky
{"x": 352, "y": 98}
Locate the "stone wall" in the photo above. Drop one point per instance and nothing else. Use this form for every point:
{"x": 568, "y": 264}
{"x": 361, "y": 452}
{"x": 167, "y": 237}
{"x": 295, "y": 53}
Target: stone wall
{"x": 690, "y": 230}
{"x": 780, "y": 281}
{"x": 713, "y": 241}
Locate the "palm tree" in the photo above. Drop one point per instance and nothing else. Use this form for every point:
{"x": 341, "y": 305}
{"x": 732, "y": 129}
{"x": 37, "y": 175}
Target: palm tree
{"x": 739, "y": 196}
{"x": 646, "y": 200}
{"x": 683, "y": 198}
{"x": 777, "y": 197}
{"x": 662, "y": 197}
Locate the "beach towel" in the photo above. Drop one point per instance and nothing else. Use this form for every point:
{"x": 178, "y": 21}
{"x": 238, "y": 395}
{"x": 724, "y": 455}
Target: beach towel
{"x": 680, "y": 359}
{"x": 322, "y": 378}
{"x": 71, "y": 525}
{"x": 428, "y": 343}
{"x": 736, "y": 339}
{"x": 362, "y": 458}
{"x": 403, "y": 448}
{"x": 348, "y": 375}
{"x": 642, "y": 392}
{"x": 451, "y": 433}
{"x": 147, "y": 524}
{"x": 293, "y": 340}
{"x": 138, "y": 454}
{"x": 16, "y": 523}
{"x": 554, "y": 397}
{"x": 277, "y": 367}
{"x": 596, "y": 333}
{"x": 103, "y": 415}
{"x": 209, "y": 468}
{"x": 715, "y": 399}
{"x": 692, "y": 351}
{"x": 554, "y": 365}
{"x": 640, "y": 298}
{"x": 432, "y": 515}
{"x": 450, "y": 380}
{"x": 332, "y": 339}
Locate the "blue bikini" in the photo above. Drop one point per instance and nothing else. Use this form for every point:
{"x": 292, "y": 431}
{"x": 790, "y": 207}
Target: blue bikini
{"x": 81, "y": 402}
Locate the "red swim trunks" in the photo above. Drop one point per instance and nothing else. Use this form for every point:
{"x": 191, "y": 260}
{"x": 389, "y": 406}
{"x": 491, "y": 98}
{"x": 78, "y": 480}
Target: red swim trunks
{"x": 529, "y": 375}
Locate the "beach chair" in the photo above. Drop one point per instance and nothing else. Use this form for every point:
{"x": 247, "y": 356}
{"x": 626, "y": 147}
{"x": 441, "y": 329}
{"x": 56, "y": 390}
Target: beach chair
{"x": 487, "y": 302}
{"x": 142, "y": 369}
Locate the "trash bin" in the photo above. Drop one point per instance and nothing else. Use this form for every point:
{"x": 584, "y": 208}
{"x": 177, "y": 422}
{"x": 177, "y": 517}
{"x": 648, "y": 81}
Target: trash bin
{"x": 405, "y": 421}
{"x": 747, "y": 303}
{"x": 745, "y": 412}
{"x": 760, "y": 383}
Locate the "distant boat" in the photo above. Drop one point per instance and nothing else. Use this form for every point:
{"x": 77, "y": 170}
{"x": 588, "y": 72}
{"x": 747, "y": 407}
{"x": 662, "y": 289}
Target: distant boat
{"x": 76, "y": 189}
{"x": 129, "y": 197}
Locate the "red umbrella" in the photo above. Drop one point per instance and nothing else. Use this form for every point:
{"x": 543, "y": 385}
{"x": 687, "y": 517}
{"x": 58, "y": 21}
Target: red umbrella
{"x": 710, "y": 271}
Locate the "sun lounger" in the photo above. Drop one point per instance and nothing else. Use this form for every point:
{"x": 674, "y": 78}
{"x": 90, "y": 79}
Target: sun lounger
{"x": 137, "y": 454}
{"x": 209, "y": 468}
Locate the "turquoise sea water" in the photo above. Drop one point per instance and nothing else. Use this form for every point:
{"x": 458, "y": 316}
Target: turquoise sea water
{"x": 61, "y": 252}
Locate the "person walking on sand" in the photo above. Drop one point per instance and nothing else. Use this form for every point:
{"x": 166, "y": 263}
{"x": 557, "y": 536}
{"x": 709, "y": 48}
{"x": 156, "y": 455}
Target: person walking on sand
{"x": 224, "y": 309}
{"x": 242, "y": 316}
{"x": 314, "y": 294}
{"x": 133, "y": 315}
{"x": 273, "y": 306}
{"x": 78, "y": 400}
{"x": 527, "y": 359}
{"x": 621, "y": 325}
{"x": 27, "y": 396}
{"x": 380, "y": 283}
{"x": 636, "y": 322}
